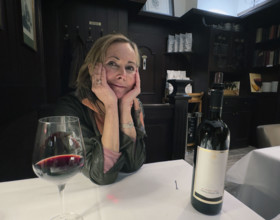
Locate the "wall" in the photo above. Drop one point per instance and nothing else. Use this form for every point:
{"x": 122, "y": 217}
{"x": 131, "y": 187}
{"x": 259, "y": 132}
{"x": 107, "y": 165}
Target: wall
{"x": 21, "y": 68}
{"x": 63, "y": 53}
{"x": 22, "y": 91}
{"x": 182, "y": 6}
{"x": 150, "y": 34}
{"x": 227, "y": 7}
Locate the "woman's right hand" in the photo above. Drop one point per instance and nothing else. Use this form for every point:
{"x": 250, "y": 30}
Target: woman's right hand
{"x": 100, "y": 87}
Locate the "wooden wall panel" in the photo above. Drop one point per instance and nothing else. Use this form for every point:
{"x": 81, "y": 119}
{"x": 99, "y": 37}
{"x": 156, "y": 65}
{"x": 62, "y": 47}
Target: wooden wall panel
{"x": 22, "y": 91}
{"x": 159, "y": 128}
{"x": 150, "y": 34}
{"x": 58, "y": 53}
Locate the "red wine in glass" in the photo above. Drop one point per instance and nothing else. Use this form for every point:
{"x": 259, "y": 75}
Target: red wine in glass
{"x": 59, "y": 169}
{"x": 59, "y": 153}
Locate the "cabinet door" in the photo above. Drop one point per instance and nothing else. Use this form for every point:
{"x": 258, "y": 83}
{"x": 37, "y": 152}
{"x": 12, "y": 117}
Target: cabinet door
{"x": 237, "y": 53}
{"x": 151, "y": 48}
{"x": 219, "y": 50}
{"x": 239, "y": 124}
{"x": 237, "y": 115}
{"x": 266, "y": 110}
{"x": 227, "y": 51}
{"x": 159, "y": 126}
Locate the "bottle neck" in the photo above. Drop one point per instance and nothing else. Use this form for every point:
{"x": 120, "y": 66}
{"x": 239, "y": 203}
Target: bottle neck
{"x": 216, "y": 104}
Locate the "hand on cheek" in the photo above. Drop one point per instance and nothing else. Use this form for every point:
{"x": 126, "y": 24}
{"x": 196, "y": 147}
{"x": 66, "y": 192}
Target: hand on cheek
{"x": 128, "y": 98}
{"x": 99, "y": 85}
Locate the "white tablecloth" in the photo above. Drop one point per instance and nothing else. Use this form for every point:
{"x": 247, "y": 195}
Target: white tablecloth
{"x": 147, "y": 194}
{"x": 258, "y": 177}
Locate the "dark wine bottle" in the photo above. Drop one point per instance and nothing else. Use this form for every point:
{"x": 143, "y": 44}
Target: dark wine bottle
{"x": 210, "y": 155}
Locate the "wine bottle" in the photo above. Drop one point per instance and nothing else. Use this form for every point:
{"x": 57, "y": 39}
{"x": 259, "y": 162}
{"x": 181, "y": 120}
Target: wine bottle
{"x": 210, "y": 155}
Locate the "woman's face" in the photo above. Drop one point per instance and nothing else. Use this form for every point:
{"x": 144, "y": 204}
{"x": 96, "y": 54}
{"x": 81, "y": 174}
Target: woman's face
{"x": 120, "y": 65}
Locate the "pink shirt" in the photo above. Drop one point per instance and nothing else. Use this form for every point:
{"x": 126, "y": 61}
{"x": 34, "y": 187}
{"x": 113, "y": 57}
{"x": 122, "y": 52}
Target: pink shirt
{"x": 110, "y": 158}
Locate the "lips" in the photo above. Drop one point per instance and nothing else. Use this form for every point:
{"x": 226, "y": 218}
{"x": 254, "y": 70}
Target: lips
{"x": 118, "y": 86}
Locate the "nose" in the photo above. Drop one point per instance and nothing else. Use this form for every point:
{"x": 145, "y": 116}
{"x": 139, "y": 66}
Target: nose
{"x": 122, "y": 74}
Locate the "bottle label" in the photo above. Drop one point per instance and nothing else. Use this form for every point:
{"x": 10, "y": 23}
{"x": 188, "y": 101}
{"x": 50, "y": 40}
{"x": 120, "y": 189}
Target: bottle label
{"x": 209, "y": 176}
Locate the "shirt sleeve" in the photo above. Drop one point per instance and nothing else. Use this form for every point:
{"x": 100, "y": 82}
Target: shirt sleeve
{"x": 94, "y": 158}
{"x": 110, "y": 158}
{"x": 134, "y": 151}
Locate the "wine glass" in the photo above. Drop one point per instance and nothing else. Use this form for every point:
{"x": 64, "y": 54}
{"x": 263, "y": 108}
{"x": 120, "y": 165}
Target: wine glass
{"x": 59, "y": 153}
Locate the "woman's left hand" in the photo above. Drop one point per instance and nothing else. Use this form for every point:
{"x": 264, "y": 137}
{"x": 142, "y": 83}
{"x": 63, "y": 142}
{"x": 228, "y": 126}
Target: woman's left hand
{"x": 127, "y": 100}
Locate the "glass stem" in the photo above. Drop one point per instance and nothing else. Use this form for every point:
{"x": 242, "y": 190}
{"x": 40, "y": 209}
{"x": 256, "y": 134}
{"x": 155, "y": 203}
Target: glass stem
{"x": 61, "y": 195}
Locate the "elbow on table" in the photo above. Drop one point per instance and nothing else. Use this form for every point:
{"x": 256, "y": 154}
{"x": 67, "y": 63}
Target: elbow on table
{"x": 133, "y": 167}
{"x": 98, "y": 177}
{"x": 103, "y": 179}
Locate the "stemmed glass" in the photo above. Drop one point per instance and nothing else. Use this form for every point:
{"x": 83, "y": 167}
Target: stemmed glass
{"x": 59, "y": 153}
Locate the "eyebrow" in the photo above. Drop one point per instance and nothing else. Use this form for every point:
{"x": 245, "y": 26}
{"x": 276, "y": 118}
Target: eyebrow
{"x": 119, "y": 59}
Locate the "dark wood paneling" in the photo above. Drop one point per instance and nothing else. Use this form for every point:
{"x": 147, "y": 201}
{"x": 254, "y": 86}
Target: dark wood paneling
{"x": 72, "y": 18}
{"x": 17, "y": 141}
{"x": 22, "y": 68}
{"x": 238, "y": 115}
{"x": 159, "y": 121}
{"x": 22, "y": 90}
{"x": 148, "y": 78}
{"x": 150, "y": 34}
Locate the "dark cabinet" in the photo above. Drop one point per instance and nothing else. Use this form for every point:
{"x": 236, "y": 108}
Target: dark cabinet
{"x": 227, "y": 50}
{"x": 166, "y": 128}
{"x": 265, "y": 60}
{"x": 266, "y": 109}
{"x": 158, "y": 124}
{"x": 237, "y": 114}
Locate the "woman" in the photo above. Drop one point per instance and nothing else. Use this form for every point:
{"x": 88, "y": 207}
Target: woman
{"x": 111, "y": 116}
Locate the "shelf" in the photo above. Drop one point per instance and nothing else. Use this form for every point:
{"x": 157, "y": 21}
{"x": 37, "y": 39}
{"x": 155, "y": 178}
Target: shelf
{"x": 268, "y": 44}
{"x": 180, "y": 53}
{"x": 271, "y": 41}
{"x": 175, "y": 57}
{"x": 268, "y": 69}
{"x": 195, "y": 15}
{"x": 264, "y": 94}
{"x": 158, "y": 16}
{"x": 241, "y": 97}
{"x": 187, "y": 55}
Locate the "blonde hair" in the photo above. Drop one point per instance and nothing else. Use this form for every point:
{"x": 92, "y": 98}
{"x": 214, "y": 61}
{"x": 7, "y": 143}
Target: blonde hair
{"x": 97, "y": 55}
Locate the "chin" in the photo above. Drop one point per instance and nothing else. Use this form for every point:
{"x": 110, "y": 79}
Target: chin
{"x": 119, "y": 95}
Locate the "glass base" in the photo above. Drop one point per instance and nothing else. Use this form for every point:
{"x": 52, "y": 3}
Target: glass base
{"x": 68, "y": 216}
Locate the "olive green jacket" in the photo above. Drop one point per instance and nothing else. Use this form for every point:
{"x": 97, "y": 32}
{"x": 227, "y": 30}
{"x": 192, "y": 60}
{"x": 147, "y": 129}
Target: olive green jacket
{"x": 133, "y": 154}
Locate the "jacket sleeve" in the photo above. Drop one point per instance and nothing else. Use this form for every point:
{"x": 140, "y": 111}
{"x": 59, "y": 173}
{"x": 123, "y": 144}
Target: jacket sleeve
{"x": 94, "y": 162}
{"x": 134, "y": 152}
{"x": 94, "y": 165}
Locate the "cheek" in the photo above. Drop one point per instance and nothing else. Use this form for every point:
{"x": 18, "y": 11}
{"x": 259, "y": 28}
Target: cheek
{"x": 131, "y": 81}
{"x": 109, "y": 74}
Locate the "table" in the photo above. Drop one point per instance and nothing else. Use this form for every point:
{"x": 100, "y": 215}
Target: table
{"x": 257, "y": 179}
{"x": 150, "y": 193}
